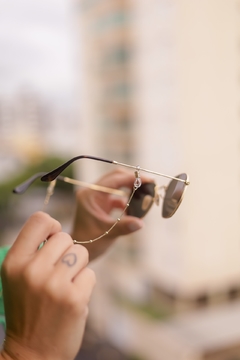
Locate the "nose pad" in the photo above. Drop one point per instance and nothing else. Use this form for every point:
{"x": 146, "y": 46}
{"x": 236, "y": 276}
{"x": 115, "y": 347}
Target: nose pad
{"x": 157, "y": 199}
{"x": 147, "y": 201}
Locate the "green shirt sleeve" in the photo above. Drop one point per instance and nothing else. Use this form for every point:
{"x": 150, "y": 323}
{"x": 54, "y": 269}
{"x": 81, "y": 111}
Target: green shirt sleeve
{"x": 3, "y": 253}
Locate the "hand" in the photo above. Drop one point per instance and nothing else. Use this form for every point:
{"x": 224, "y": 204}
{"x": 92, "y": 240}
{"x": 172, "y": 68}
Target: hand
{"x": 94, "y": 208}
{"x": 46, "y": 293}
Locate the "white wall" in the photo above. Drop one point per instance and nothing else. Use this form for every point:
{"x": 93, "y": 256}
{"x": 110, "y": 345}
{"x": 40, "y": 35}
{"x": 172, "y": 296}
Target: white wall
{"x": 194, "y": 126}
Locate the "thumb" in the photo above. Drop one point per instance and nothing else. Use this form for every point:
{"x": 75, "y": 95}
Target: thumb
{"x": 128, "y": 225}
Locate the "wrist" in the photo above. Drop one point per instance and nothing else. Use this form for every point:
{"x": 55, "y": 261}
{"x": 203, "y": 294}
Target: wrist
{"x": 19, "y": 355}
{"x": 12, "y": 350}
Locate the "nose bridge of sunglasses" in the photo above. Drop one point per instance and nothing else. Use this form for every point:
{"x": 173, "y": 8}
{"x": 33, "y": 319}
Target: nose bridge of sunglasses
{"x": 159, "y": 193}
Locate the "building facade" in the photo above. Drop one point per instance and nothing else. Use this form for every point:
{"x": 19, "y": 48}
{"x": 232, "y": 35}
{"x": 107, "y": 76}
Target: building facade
{"x": 161, "y": 89}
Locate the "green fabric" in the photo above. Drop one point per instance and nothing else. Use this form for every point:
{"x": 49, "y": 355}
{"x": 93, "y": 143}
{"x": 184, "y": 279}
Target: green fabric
{"x": 3, "y": 253}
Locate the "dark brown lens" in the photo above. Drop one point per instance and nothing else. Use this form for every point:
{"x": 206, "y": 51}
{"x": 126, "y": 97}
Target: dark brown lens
{"x": 142, "y": 200}
{"x": 173, "y": 196}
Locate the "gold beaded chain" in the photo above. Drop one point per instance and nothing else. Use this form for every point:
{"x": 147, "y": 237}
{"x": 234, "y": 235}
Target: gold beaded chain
{"x": 136, "y": 185}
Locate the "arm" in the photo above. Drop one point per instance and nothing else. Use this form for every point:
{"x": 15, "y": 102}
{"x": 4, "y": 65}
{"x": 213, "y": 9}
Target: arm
{"x": 46, "y": 293}
{"x": 94, "y": 205}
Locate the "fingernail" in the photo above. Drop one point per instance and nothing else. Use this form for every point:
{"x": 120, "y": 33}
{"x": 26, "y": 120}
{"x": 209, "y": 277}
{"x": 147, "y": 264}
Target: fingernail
{"x": 135, "y": 226}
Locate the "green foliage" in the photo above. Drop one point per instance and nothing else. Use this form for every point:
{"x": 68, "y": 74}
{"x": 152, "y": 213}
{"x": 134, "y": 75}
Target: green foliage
{"x": 45, "y": 165}
{"x": 135, "y": 357}
{"x": 147, "y": 309}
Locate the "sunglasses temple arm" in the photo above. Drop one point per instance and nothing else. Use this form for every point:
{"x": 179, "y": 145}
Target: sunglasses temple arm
{"x": 20, "y": 189}
{"x": 92, "y": 186}
{"x": 56, "y": 172}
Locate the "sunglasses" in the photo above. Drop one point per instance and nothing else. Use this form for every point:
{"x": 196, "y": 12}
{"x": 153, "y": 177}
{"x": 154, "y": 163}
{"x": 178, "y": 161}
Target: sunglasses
{"x": 141, "y": 199}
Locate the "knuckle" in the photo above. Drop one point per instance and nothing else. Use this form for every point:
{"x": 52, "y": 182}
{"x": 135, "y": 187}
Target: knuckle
{"x": 41, "y": 217}
{"x": 80, "y": 296}
{"x": 9, "y": 267}
{"x": 74, "y": 300}
{"x": 53, "y": 289}
{"x": 77, "y": 303}
{"x": 65, "y": 237}
{"x": 84, "y": 253}
{"x": 81, "y": 253}
{"x": 91, "y": 276}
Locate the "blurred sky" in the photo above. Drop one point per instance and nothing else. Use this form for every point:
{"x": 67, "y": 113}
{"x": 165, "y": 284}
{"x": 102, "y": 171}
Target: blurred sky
{"x": 37, "y": 47}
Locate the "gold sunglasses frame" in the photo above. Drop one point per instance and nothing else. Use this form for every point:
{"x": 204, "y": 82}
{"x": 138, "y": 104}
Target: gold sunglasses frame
{"x": 54, "y": 175}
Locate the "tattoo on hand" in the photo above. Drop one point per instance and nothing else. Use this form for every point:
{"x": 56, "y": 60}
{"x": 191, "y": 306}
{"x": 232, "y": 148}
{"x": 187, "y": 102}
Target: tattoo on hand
{"x": 69, "y": 259}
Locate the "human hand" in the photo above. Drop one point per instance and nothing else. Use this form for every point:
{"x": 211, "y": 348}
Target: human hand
{"x": 93, "y": 214}
{"x": 46, "y": 293}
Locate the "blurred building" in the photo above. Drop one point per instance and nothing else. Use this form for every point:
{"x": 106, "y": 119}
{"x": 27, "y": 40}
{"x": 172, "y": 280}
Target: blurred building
{"x": 161, "y": 89}
{"x": 107, "y": 87}
{"x": 20, "y": 128}
{"x": 32, "y": 127}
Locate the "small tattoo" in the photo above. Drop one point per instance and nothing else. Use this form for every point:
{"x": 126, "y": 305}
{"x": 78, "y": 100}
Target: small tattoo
{"x": 69, "y": 259}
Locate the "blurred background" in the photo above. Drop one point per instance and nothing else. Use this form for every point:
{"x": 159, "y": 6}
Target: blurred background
{"x": 154, "y": 83}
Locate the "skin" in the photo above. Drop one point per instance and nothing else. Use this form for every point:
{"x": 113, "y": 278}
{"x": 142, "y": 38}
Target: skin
{"x": 93, "y": 214}
{"x": 45, "y": 322}
{"x": 47, "y": 291}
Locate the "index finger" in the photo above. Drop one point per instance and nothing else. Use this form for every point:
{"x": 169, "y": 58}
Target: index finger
{"x": 39, "y": 226}
{"x": 121, "y": 178}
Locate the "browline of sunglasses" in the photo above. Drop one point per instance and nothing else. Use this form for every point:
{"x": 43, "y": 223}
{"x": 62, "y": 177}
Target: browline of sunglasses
{"x": 51, "y": 175}
{"x": 50, "y": 190}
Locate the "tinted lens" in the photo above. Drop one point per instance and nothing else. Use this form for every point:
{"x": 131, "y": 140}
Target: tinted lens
{"x": 173, "y": 196}
{"x": 142, "y": 200}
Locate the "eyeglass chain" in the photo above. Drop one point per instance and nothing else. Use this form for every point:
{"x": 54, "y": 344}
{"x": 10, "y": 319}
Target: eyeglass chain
{"x": 136, "y": 185}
